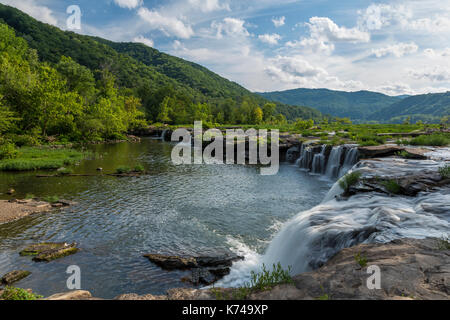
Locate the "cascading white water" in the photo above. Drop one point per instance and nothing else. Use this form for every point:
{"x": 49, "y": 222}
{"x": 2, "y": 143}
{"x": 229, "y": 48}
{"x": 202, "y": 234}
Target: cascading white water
{"x": 334, "y": 162}
{"x": 351, "y": 158}
{"x": 312, "y": 237}
{"x": 318, "y": 164}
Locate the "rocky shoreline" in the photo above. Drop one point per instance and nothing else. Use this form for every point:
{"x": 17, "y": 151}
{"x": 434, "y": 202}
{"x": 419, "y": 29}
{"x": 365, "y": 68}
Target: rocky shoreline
{"x": 410, "y": 269}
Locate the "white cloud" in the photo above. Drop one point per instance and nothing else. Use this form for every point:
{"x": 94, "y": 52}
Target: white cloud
{"x": 378, "y": 16}
{"x": 279, "y": 22}
{"x": 39, "y": 12}
{"x": 168, "y": 24}
{"x": 209, "y": 5}
{"x": 312, "y": 45}
{"x": 398, "y": 50}
{"x": 270, "y": 38}
{"x": 323, "y": 28}
{"x": 435, "y": 74}
{"x": 144, "y": 40}
{"x": 230, "y": 27}
{"x": 129, "y": 4}
{"x": 432, "y": 53}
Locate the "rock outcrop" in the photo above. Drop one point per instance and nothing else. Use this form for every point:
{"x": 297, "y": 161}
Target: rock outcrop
{"x": 206, "y": 270}
{"x": 49, "y": 251}
{"x": 14, "y": 276}
{"x": 409, "y": 269}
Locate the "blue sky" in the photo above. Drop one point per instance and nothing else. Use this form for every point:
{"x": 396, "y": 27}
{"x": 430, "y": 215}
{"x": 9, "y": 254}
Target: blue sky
{"x": 394, "y": 47}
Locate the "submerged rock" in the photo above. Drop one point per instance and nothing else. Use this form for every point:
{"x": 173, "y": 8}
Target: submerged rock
{"x": 14, "y": 276}
{"x": 49, "y": 251}
{"x": 172, "y": 262}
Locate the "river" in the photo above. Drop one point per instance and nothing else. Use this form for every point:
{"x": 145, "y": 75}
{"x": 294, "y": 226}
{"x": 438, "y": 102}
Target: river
{"x": 181, "y": 210}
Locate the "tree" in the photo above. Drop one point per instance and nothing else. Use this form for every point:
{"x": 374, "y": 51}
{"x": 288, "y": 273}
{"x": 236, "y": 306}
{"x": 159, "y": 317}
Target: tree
{"x": 7, "y": 118}
{"x": 163, "y": 116}
{"x": 301, "y": 124}
{"x": 269, "y": 111}
{"x": 258, "y": 115}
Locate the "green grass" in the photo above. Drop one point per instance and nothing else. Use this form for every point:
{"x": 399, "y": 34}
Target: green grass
{"x": 11, "y": 293}
{"x": 361, "y": 260}
{"x": 51, "y": 199}
{"x": 392, "y": 186}
{"x": 445, "y": 172}
{"x": 260, "y": 281}
{"x": 30, "y": 196}
{"x": 435, "y": 140}
{"x": 42, "y": 158}
{"x": 350, "y": 180}
{"x": 444, "y": 244}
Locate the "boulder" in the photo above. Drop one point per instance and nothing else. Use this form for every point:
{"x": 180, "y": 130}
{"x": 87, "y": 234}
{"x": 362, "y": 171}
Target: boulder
{"x": 14, "y": 276}
{"x": 72, "y": 295}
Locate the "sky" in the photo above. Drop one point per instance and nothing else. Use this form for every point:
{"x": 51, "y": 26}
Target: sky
{"x": 394, "y": 47}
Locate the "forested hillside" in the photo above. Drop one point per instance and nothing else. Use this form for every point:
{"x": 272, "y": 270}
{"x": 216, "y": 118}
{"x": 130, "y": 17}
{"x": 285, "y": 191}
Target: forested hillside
{"x": 170, "y": 89}
{"x": 354, "y": 105}
{"x": 426, "y": 108}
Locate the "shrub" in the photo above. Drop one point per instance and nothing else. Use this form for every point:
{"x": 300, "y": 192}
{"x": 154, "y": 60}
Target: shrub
{"x": 8, "y": 151}
{"x": 445, "y": 172}
{"x": 436, "y": 140}
{"x": 139, "y": 168}
{"x": 266, "y": 279}
{"x": 123, "y": 169}
{"x": 24, "y": 140}
{"x": 11, "y": 293}
{"x": 444, "y": 244}
{"x": 350, "y": 180}
{"x": 392, "y": 186}
{"x": 361, "y": 260}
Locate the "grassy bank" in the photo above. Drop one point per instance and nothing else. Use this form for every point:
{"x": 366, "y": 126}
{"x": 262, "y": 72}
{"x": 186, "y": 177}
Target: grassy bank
{"x": 42, "y": 158}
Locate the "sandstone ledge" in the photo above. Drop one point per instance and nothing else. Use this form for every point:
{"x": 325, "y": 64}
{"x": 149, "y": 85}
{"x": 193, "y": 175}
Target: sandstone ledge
{"x": 410, "y": 269}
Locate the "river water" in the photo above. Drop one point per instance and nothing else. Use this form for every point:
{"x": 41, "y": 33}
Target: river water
{"x": 182, "y": 210}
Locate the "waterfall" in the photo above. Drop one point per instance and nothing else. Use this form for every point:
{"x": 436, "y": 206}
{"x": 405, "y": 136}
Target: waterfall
{"x": 163, "y": 134}
{"x": 334, "y": 162}
{"x": 312, "y": 237}
{"x": 339, "y": 161}
{"x": 351, "y": 158}
{"x": 318, "y": 164}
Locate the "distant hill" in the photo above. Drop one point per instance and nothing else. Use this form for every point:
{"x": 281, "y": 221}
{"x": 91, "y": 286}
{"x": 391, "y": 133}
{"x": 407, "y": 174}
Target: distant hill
{"x": 142, "y": 69}
{"x": 426, "y": 107}
{"x": 355, "y": 105}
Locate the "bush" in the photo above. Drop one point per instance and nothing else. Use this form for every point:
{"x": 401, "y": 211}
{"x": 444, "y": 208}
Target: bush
{"x": 11, "y": 293}
{"x": 139, "y": 168}
{"x": 445, "y": 172}
{"x": 392, "y": 186}
{"x": 123, "y": 169}
{"x": 8, "y": 151}
{"x": 349, "y": 180}
{"x": 435, "y": 140}
{"x": 361, "y": 260}
{"x": 24, "y": 140}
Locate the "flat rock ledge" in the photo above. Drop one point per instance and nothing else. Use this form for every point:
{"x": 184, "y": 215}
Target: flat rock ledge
{"x": 13, "y": 210}
{"x": 46, "y": 252}
{"x": 14, "y": 276}
{"x": 410, "y": 269}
